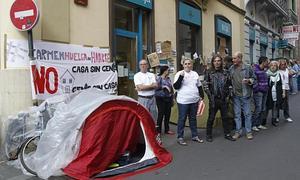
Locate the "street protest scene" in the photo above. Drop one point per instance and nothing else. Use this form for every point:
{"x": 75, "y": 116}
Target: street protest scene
{"x": 149, "y": 89}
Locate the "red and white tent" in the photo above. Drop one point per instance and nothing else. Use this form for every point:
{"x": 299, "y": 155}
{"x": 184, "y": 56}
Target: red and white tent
{"x": 89, "y": 133}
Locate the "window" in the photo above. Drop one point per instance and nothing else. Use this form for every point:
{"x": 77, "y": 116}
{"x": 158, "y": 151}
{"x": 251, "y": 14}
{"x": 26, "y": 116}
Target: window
{"x": 126, "y": 18}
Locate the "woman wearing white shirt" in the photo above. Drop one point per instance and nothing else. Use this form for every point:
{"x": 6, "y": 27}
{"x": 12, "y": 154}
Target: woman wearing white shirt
{"x": 189, "y": 93}
{"x": 284, "y": 73}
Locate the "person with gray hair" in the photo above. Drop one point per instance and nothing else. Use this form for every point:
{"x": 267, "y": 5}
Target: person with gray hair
{"x": 275, "y": 93}
{"x": 145, "y": 85}
{"x": 243, "y": 78}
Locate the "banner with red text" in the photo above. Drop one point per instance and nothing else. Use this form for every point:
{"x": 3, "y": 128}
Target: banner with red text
{"x": 53, "y": 78}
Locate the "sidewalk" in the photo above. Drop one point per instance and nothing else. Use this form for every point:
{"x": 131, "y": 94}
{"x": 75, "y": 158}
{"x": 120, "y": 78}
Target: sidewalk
{"x": 272, "y": 154}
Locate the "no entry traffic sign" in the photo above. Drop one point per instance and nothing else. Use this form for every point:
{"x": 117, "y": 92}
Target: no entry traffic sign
{"x": 24, "y": 14}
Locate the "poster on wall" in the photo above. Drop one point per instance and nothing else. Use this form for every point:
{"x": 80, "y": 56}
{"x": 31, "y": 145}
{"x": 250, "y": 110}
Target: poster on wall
{"x": 63, "y": 68}
{"x": 17, "y": 53}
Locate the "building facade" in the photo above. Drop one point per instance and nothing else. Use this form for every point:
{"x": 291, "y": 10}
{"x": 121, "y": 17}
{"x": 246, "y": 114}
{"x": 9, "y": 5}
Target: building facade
{"x": 130, "y": 29}
{"x": 263, "y": 25}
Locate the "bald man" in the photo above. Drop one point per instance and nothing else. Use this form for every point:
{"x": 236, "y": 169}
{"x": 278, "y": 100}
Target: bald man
{"x": 145, "y": 85}
{"x": 242, "y": 78}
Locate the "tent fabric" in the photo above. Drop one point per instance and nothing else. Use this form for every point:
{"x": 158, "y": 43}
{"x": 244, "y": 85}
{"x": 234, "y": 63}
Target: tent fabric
{"x": 112, "y": 129}
{"x": 60, "y": 143}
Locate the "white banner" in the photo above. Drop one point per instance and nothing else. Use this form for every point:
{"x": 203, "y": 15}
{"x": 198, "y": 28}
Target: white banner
{"x": 62, "y": 77}
{"x": 293, "y": 35}
{"x": 17, "y": 53}
{"x": 63, "y": 68}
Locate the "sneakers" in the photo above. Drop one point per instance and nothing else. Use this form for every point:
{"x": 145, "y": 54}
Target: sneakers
{"x": 229, "y": 137}
{"x": 254, "y": 128}
{"x": 289, "y": 120}
{"x": 277, "y": 120}
{"x": 262, "y": 127}
{"x": 236, "y": 135}
{"x": 249, "y": 136}
{"x": 197, "y": 139}
{"x": 181, "y": 142}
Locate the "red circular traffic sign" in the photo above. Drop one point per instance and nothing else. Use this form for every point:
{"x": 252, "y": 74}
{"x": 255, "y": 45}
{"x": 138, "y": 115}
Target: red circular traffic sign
{"x": 24, "y": 14}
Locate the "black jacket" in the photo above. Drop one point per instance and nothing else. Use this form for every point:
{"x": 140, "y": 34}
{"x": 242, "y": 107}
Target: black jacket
{"x": 217, "y": 84}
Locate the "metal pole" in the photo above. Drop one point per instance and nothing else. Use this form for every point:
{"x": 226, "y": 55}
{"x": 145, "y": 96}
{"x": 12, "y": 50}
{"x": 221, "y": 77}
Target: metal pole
{"x": 30, "y": 45}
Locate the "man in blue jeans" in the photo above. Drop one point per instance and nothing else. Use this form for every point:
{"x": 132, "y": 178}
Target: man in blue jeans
{"x": 242, "y": 78}
{"x": 260, "y": 92}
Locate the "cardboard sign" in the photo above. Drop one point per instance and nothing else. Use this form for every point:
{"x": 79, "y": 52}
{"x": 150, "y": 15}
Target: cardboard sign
{"x": 153, "y": 59}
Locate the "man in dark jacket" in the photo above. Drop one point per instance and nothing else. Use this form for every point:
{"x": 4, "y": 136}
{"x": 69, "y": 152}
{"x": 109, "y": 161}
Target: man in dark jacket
{"x": 260, "y": 92}
{"x": 217, "y": 87}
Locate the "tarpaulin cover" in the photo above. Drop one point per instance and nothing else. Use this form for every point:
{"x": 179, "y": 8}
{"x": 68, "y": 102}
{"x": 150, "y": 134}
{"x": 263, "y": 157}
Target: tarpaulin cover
{"x": 89, "y": 131}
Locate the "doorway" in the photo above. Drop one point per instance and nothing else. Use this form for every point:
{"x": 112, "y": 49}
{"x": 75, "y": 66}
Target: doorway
{"x": 126, "y": 58}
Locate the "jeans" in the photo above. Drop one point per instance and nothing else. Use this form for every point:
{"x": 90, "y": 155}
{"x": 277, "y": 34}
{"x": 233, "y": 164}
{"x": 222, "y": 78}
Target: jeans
{"x": 221, "y": 105}
{"x": 294, "y": 85}
{"x": 298, "y": 82}
{"x": 260, "y": 100}
{"x": 184, "y": 111}
{"x": 242, "y": 103}
{"x": 164, "y": 105}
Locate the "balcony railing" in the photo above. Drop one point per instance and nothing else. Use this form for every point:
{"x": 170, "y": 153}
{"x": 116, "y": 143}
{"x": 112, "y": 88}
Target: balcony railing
{"x": 293, "y": 17}
{"x": 283, "y": 4}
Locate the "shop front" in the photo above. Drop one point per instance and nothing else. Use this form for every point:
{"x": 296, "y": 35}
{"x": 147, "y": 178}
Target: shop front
{"x": 274, "y": 47}
{"x": 251, "y": 44}
{"x": 223, "y": 43}
{"x": 132, "y": 39}
{"x": 263, "y": 44}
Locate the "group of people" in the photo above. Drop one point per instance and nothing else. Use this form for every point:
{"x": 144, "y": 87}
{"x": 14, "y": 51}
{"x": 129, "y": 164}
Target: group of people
{"x": 228, "y": 84}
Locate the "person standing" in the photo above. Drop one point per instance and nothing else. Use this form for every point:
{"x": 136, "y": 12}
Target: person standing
{"x": 189, "y": 93}
{"x": 275, "y": 93}
{"x": 164, "y": 99}
{"x": 260, "y": 92}
{"x": 243, "y": 78}
{"x": 217, "y": 87}
{"x": 295, "y": 68}
{"x": 284, "y": 73}
{"x": 145, "y": 85}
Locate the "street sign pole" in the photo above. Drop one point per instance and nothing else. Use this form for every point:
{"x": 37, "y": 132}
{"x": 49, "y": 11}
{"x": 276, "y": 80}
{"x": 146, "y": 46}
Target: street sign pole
{"x": 24, "y": 15}
{"x": 30, "y": 45}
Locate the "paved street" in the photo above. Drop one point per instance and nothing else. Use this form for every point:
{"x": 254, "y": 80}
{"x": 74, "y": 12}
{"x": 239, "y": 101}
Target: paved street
{"x": 273, "y": 154}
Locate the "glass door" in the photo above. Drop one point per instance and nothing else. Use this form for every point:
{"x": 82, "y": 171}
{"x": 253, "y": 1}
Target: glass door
{"x": 126, "y": 59}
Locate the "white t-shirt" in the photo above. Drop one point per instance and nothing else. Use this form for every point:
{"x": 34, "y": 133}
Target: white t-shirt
{"x": 188, "y": 92}
{"x": 285, "y": 79}
{"x": 145, "y": 79}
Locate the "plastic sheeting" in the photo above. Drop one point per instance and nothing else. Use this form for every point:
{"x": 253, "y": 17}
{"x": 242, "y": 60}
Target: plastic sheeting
{"x": 60, "y": 142}
{"x": 26, "y": 124}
